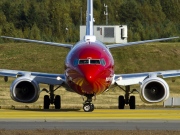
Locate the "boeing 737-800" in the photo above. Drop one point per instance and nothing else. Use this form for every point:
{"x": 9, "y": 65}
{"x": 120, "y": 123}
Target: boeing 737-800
{"x": 89, "y": 71}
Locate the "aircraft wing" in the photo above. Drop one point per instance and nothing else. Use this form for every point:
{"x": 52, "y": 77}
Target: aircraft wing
{"x": 137, "y": 78}
{"x": 44, "y": 78}
{"x": 138, "y": 42}
{"x": 40, "y": 42}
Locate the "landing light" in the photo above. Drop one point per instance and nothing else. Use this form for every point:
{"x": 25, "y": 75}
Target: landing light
{"x": 59, "y": 78}
{"x": 120, "y": 78}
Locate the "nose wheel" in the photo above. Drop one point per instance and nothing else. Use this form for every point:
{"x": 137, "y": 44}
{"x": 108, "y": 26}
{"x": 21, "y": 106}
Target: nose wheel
{"x": 88, "y": 106}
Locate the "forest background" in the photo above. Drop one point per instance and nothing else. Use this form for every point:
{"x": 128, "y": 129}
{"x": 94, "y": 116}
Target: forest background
{"x": 49, "y": 19}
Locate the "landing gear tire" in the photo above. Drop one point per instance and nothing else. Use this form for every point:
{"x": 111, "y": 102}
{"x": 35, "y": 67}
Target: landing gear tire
{"x": 57, "y": 102}
{"x": 121, "y": 102}
{"x": 51, "y": 98}
{"x": 88, "y": 107}
{"x": 46, "y": 102}
{"x": 92, "y": 107}
{"x": 132, "y": 102}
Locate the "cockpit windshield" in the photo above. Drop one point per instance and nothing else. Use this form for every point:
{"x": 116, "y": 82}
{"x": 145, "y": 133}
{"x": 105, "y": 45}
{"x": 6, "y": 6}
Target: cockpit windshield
{"x": 95, "y": 62}
{"x": 83, "y": 61}
{"x": 91, "y": 61}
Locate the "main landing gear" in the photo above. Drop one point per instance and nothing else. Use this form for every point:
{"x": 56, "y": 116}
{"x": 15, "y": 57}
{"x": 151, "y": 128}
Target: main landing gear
{"x": 52, "y": 99}
{"x": 88, "y": 106}
{"x": 127, "y": 99}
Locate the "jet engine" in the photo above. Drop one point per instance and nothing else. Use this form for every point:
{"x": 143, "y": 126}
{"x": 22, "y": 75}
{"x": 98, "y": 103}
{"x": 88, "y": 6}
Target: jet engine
{"x": 25, "y": 90}
{"x": 154, "y": 90}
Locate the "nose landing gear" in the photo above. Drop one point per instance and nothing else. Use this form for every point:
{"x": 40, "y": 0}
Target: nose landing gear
{"x": 88, "y": 106}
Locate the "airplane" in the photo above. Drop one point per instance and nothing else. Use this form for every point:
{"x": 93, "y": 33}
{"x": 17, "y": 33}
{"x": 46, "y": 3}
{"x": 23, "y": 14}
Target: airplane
{"x": 89, "y": 71}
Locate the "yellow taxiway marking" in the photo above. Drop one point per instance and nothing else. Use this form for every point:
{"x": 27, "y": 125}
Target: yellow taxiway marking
{"x": 173, "y": 114}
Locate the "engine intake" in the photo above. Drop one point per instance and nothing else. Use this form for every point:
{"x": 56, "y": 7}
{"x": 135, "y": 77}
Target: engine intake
{"x": 154, "y": 90}
{"x": 24, "y": 90}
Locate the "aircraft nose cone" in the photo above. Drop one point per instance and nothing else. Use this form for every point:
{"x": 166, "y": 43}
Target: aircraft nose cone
{"x": 89, "y": 77}
{"x": 89, "y": 73}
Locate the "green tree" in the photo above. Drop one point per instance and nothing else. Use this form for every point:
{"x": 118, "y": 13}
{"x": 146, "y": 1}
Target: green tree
{"x": 8, "y": 30}
{"x": 34, "y": 33}
{"x": 23, "y": 21}
{"x": 171, "y": 9}
{"x": 146, "y": 19}
{"x": 129, "y": 12}
{"x": 2, "y": 18}
{"x": 31, "y": 16}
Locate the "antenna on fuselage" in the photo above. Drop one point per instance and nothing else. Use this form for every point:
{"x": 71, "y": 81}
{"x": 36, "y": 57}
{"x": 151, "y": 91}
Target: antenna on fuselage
{"x": 89, "y": 37}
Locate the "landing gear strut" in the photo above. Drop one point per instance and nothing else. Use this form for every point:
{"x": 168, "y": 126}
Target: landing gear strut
{"x": 52, "y": 99}
{"x": 127, "y": 99}
{"x": 88, "y": 106}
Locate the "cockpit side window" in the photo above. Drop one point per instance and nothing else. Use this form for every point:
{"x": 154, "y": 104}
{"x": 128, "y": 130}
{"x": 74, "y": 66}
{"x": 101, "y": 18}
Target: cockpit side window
{"x": 75, "y": 62}
{"x": 103, "y": 62}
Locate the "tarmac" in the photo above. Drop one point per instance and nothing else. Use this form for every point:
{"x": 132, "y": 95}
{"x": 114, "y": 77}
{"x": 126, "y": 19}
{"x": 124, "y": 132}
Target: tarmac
{"x": 99, "y": 119}
{"x": 97, "y": 114}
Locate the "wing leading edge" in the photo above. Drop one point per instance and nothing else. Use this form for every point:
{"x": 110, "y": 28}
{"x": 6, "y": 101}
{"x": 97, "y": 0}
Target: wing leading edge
{"x": 44, "y": 78}
{"x": 137, "y": 78}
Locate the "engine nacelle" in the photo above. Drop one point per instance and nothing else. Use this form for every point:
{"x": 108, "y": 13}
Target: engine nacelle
{"x": 154, "y": 90}
{"x": 24, "y": 90}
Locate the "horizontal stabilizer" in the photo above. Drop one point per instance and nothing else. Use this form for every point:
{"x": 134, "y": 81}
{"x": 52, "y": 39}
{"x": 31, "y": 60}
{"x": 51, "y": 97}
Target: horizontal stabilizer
{"x": 139, "y": 42}
{"x": 39, "y": 42}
